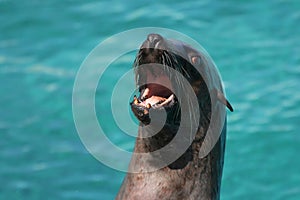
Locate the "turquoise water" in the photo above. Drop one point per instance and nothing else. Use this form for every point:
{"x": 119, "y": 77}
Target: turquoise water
{"x": 255, "y": 44}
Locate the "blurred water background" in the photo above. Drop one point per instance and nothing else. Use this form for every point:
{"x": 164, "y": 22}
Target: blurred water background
{"x": 255, "y": 44}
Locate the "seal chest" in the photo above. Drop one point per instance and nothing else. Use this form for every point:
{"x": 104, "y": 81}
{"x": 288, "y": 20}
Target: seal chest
{"x": 170, "y": 76}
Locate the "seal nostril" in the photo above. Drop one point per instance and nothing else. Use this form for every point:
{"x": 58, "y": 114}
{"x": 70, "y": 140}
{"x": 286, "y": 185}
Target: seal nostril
{"x": 154, "y": 38}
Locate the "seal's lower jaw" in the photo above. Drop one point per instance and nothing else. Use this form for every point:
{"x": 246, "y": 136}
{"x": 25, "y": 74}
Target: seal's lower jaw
{"x": 153, "y": 98}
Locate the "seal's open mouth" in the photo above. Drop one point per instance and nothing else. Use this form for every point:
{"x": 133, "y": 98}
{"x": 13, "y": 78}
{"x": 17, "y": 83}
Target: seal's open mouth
{"x": 156, "y": 94}
{"x": 158, "y": 90}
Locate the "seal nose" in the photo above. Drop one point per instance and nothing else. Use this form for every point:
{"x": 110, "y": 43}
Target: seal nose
{"x": 154, "y": 39}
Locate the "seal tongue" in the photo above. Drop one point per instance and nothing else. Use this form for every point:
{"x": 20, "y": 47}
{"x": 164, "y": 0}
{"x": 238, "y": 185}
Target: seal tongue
{"x": 156, "y": 90}
{"x": 154, "y": 100}
{"x": 152, "y": 96}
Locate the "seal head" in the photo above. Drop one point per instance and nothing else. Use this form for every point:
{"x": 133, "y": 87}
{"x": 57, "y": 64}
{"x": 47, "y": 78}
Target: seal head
{"x": 160, "y": 55}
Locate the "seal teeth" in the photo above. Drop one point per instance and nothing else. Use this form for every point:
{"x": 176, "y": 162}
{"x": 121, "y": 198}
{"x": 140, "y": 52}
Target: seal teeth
{"x": 168, "y": 100}
{"x": 145, "y": 94}
{"x": 148, "y": 106}
{"x": 135, "y": 100}
{"x": 146, "y": 112}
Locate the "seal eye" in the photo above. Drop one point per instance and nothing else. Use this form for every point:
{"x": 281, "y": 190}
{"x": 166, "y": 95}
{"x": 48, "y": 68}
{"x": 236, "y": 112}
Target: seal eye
{"x": 195, "y": 60}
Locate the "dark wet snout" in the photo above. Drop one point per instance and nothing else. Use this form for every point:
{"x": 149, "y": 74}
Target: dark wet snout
{"x": 154, "y": 39}
{"x": 152, "y": 42}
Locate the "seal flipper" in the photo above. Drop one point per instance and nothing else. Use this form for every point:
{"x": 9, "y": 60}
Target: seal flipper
{"x": 223, "y": 100}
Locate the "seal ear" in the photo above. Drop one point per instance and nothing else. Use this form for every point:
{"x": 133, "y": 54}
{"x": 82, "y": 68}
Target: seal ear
{"x": 223, "y": 100}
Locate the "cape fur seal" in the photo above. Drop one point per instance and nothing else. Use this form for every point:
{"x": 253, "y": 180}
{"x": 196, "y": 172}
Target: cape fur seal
{"x": 188, "y": 176}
